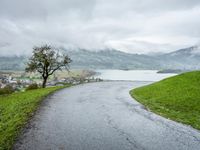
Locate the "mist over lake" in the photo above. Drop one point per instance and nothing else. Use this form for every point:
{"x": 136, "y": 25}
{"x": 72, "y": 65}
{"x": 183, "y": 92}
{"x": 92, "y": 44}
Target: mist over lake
{"x": 132, "y": 75}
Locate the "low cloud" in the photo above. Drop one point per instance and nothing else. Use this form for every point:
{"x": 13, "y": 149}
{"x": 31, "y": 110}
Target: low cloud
{"x": 135, "y": 26}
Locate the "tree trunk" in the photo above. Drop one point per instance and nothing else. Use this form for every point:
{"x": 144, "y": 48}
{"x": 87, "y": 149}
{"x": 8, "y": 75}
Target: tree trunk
{"x": 44, "y": 82}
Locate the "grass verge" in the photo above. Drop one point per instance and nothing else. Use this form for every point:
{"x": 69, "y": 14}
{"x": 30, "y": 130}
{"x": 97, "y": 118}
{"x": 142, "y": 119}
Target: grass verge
{"x": 16, "y": 109}
{"x": 176, "y": 98}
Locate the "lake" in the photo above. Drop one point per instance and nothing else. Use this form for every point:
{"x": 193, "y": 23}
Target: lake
{"x": 132, "y": 75}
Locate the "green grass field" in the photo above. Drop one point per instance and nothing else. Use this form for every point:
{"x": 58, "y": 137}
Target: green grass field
{"x": 15, "y": 111}
{"x": 177, "y": 98}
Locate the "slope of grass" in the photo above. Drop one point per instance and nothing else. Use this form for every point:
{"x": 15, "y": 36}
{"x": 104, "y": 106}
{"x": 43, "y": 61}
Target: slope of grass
{"x": 177, "y": 98}
{"x": 15, "y": 110}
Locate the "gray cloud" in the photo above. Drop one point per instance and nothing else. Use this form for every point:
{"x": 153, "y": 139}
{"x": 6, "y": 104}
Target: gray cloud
{"x": 136, "y": 26}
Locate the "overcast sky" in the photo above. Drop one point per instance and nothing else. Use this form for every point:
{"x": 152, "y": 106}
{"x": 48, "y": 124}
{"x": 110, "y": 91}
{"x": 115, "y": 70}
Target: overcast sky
{"x": 136, "y": 26}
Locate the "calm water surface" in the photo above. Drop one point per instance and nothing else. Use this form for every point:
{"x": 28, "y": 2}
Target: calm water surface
{"x": 132, "y": 75}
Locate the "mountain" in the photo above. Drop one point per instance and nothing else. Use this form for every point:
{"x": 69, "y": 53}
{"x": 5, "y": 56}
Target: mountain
{"x": 12, "y": 62}
{"x": 187, "y": 58}
{"x": 110, "y": 59}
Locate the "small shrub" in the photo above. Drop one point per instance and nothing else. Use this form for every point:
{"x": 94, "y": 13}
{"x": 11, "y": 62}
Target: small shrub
{"x": 32, "y": 87}
{"x": 8, "y": 89}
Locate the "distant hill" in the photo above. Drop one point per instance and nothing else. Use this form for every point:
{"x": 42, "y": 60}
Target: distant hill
{"x": 187, "y": 58}
{"x": 111, "y": 59}
{"x": 12, "y": 62}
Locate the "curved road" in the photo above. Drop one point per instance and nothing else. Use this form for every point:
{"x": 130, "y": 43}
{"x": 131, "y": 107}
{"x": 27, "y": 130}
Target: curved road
{"x": 103, "y": 116}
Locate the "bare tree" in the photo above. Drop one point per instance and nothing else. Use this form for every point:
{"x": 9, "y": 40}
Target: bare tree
{"x": 46, "y": 60}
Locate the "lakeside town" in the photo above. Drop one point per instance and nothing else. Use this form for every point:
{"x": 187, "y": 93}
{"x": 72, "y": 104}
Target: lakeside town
{"x": 19, "y": 80}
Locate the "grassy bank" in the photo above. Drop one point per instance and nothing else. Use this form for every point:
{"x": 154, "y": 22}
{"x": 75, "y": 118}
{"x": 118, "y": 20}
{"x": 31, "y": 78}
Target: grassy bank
{"x": 15, "y": 110}
{"x": 177, "y": 98}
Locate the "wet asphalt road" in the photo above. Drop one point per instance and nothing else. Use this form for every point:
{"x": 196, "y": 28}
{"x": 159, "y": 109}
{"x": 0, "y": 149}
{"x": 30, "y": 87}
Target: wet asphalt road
{"x": 103, "y": 116}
